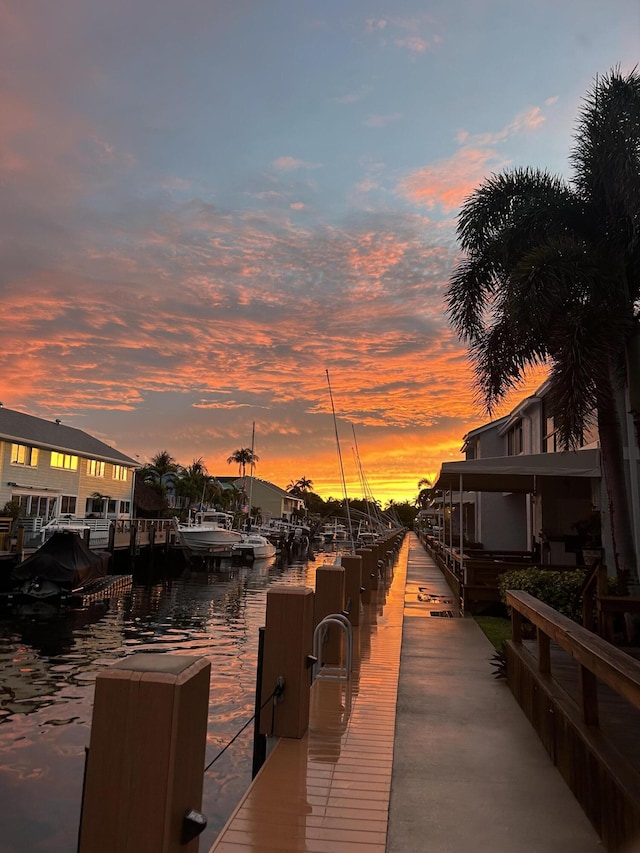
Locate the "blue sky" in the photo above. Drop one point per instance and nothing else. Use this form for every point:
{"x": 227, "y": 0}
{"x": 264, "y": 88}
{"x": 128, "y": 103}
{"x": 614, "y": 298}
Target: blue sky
{"x": 206, "y": 205}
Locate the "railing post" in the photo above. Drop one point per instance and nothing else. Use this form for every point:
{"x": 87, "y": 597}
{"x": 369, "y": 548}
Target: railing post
{"x": 588, "y": 696}
{"x": 544, "y": 652}
{"x": 145, "y": 764}
{"x": 133, "y": 538}
{"x": 287, "y": 656}
{"x": 516, "y": 625}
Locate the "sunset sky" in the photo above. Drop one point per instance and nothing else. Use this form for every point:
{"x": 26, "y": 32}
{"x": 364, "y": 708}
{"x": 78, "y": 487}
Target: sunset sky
{"x": 207, "y": 204}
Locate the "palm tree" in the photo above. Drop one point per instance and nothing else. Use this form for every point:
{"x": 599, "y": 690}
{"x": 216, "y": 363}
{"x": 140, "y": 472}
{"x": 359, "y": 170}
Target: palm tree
{"x": 552, "y": 276}
{"x": 161, "y": 470}
{"x": 299, "y": 487}
{"x": 425, "y": 493}
{"x": 192, "y": 482}
{"x": 243, "y": 457}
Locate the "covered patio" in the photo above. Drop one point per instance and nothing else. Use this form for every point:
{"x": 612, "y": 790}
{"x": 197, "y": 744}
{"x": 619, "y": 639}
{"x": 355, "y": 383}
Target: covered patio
{"x": 527, "y": 517}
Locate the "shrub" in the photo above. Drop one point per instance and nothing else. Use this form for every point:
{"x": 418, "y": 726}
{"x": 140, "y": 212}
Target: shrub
{"x": 11, "y": 509}
{"x": 560, "y": 590}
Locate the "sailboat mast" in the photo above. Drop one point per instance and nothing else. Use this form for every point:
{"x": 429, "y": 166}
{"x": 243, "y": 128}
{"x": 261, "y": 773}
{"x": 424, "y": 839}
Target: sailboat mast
{"x": 344, "y": 484}
{"x": 253, "y": 441}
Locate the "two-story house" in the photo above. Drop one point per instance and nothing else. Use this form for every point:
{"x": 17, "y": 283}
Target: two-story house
{"x": 272, "y": 501}
{"x": 527, "y": 493}
{"x": 54, "y": 470}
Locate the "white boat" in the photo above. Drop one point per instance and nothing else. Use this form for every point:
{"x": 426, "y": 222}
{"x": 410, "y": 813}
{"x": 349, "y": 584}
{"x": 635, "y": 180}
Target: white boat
{"x": 209, "y": 530}
{"x": 252, "y": 546}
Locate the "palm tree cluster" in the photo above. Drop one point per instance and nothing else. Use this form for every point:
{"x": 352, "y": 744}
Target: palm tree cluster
{"x": 300, "y": 487}
{"x": 188, "y": 485}
{"x": 551, "y": 275}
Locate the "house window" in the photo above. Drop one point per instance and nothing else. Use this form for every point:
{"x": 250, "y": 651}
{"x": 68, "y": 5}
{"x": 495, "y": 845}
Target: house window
{"x": 514, "y": 440}
{"x": 64, "y": 460}
{"x": 23, "y": 455}
{"x": 550, "y": 436}
{"x": 35, "y": 505}
{"x": 125, "y": 507}
{"x": 95, "y": 468}
{"x": 67, "y": 505}
{"x": 119, "y": 472}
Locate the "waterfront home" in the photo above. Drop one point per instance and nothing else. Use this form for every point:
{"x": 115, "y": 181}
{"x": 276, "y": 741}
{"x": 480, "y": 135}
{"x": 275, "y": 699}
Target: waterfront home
{"x": 522, "y": 492}
{"x": 273, "y": 502}
{"x": 54, "y": 470}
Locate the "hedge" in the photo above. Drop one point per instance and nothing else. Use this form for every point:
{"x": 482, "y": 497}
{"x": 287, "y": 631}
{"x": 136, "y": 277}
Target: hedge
{"x": 560, "y": 590}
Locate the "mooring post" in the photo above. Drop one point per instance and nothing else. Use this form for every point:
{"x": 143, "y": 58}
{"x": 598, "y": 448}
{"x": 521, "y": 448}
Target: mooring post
{"x": 329, "y": 599}
{"x": 145, "y": 766}
{"x": 352, "y": 564}
{"x": 369, "y": 570}
{"x": 259, "y": 740}
{"x": 286, "y": 668}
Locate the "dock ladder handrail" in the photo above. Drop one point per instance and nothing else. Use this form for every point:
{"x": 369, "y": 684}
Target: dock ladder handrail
{"x": 331, "y": 672}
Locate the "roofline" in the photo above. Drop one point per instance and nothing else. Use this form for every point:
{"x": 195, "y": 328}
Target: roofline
{"x": 123, "y": 459}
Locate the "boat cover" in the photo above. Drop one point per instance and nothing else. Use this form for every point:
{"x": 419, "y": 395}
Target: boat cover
{"x": 64, "y": 558}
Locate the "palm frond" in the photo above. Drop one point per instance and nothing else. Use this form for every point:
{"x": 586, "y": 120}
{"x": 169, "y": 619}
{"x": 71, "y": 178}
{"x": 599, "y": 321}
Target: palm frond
{"x": 606, "y": 155}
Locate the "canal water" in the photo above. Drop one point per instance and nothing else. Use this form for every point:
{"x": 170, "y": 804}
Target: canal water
{"x": 48, "y": 667}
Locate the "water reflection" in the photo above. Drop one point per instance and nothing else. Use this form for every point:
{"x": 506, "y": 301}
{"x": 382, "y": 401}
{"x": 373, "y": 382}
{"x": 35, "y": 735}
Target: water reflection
{"x": 48, "y": 666}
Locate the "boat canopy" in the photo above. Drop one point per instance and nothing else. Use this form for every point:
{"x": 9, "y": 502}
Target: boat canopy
{"x": 64, "y": 559}
{"x": 517, "y": 473}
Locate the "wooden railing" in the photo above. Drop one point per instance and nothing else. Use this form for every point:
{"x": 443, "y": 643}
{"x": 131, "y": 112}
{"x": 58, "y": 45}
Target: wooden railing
{"x": 474, "y": 578}
{"x": 134, "y": 533}
{"x": 599, "y": 607}
{"x": 102, "y": 533}
{"x": 603, "y": 776}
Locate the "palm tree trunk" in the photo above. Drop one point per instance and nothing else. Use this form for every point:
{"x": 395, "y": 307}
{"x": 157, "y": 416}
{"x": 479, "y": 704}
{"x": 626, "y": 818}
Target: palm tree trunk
{"x": 633, "y": 380}
{"x": 613, "y": 469}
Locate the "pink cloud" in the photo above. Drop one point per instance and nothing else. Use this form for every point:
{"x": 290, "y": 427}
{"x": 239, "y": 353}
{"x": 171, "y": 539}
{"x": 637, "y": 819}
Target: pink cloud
{"x": 290, "y": 164}
{"x": 382, "y": 120}
{"x": 446, "y": 183}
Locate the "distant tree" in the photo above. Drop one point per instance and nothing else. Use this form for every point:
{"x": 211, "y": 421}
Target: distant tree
{"x": 314, "y": 503}
{"x": 242, "y": 457}
{"x": 425, "y": 494}
{"x": 160, "y": 472}
{"x": 191, "y": 483}
{"x": 300, "y": 487}
{"x": 403, "y": 512}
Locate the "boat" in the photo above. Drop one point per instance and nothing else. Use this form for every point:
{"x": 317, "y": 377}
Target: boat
{"x": 60, "y": 569}
{"x": 208, "y": 531}
{"x": 75, "y": 525}
{"x": 252, "y": 546}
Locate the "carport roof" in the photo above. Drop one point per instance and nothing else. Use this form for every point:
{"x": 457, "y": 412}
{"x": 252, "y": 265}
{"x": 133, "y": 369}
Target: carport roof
{"x": 517, "y": 473}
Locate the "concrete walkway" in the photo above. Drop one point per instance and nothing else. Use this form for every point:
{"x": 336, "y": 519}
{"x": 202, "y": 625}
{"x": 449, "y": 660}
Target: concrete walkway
{"x": 469, "y": 772}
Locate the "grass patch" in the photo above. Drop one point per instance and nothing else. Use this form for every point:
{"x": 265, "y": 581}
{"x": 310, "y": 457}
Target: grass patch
{"x": 496, "y": 628}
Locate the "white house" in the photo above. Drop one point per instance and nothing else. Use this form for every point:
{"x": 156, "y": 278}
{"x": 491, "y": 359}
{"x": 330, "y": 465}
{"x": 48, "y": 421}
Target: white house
{"x": 56, "y": 470}
{"x": 527, "y": 492}
{"x": 274, "y": 502}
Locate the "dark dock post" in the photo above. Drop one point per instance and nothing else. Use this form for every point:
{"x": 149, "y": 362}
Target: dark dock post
{"x": 352, "y": 564}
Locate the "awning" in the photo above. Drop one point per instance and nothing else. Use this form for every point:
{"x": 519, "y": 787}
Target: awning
{"x": 517, "y": 473}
